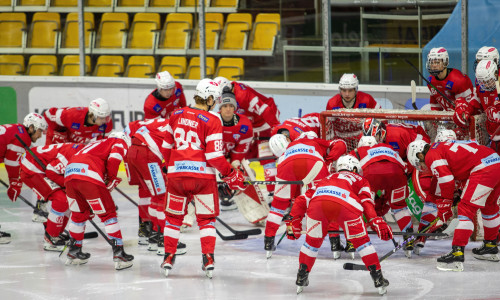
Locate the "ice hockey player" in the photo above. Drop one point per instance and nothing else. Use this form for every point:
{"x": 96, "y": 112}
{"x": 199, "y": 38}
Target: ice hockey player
{"x": 192, "y": 150}
{"x": 263, "y": 114}
{"x": 306, "y": 159}
{"x": 89, "y": 178}
{"x": 78, "y": 124}
{"x": 294, "y": 127}
{"x": 11, "y": 151}
{"x": 167, "y": 97}
{"x": 342, "y": 197}
{"x": 47, "y": 182}
{"x": 452, "y": 83}
{"x": 479, "y": 166}
{"x": 349, "y": 96}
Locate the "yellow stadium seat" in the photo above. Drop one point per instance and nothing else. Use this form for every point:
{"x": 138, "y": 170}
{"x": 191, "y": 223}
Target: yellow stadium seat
{"x": 140, "y": 66}
{"x": 109, "y": 66}
{"x": 5, "y": 2}
{"x": 224, "y": 3}
{"x": 175, "y": 65}
{"x": 44, "y": 30}
{"x": 98, "y": 3}
{"x": 213, "y": 27}
{"x": 112, "y": 31}
{"x": 11, "y": 64}
{"x": 176, "y": 32}
{"x": 192, "y": 3}
{"x": 236, "y": 30}
{"x": 42, "y": 65}
{"x": 265, "y": 30}
{"x": 231, "y": 68}
{"x": 71, "y": 38}
{"x": 131, "y": 3}
{"x": 32, "y": 2}
{"x": 193, "y": 71}
{"x": 12, "y": 29}
{"x": 64, "y": 3}
{"x": 71, "y": 65}
{"x": 162, "y": 3}
{"x": 142, "y": 34}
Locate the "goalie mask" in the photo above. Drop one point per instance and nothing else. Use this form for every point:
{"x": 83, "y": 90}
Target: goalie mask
{"x": 437, "y": 61}
{"x": 375, "y": 128}
{"x": 348, "y": 163}
{"x": 487, "y": 75}
{"x": 445, "y": 135}
{"x": 278, "y": 144}
{"x": 416, "y": 147}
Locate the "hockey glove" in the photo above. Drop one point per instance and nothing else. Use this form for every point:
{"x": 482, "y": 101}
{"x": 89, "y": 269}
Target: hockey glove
{"x": 293, "y": 227}
{"x": 444, "y": 209}
{"x": 383, "y": 230}
{"x": 462, "y": 113}
{"x": 492, "y": 114}
{"x": 235, "y": 180}
{"x": 14, "y": 189}
{"x": 112, "y": 183}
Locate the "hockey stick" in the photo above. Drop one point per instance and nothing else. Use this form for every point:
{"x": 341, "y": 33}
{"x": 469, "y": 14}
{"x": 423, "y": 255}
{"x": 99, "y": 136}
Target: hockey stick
{"x": 104, "y": 235}
{"x": 231, "y": 237}
{"x": 126, "y": 196}
{"x": 413, "y": 87}
{"x": 262, "y": 158}
{"x": 429, "y": 83}
{"x": 401, "y": 233}
{"x": 270, "y": 182}
{"x": 255, "y": 231}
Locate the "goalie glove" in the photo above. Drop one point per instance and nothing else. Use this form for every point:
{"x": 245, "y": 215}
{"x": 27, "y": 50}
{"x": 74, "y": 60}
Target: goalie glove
{"x": 235, "y": 180}
{"x": 14, "y": 189}
{"x": 112, "y": 183}
{"x": 383, "y": 230}
{"x": 444, "y": 209}
{"x": 293, "y": 227}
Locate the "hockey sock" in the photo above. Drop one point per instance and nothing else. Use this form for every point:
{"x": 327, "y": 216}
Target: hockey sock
{"x": 143, "y": 208}
{"x": 171, "y": 234}
{"x": 429, "y": 214}
{"x": 403, "y": 218}
{"x": 309, "y": 251}
{"x": 368, "y": 254}
{"x": 491, "y": 223}
{"x": 55, "y": 222}
{"x": 465, "y": 225}
{"x": 113, "y": 230}
{"x": 207, "y": 235}
{"x": 76, "y": 231}
{"x": 276, "y": 213}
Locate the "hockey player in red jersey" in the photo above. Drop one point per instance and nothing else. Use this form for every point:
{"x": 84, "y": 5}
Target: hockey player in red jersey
{"x": 78, "y": 124}
{"x": 479, "y": 167}
{"x": 47, "y": 181}
{"x": 89, "y": 178}
{"x": 306, "y": 159}
{"x": 264, "y": 115}
{"x": 192, "y": 150}
{"x": 342, "y": 197}
{"x": 454, "y": 84}
{"x": 349, "y": 96}
{"x": 167, "y": 97}
{"x": 294, "y": 127}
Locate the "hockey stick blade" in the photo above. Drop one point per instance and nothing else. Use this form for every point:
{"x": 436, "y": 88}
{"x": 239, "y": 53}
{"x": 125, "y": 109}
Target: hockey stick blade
{"x": 255, "y": 231}
{"x": 90, "y": 235}
{"x": 354, "y": 267}
{"x": 231, "y": 237}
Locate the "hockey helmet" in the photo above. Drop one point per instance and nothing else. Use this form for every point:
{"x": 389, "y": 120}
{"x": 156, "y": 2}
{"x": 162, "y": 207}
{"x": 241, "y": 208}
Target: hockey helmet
{"x": 414, "y": 148}
{"x": 487, "y": 75}
{"x": 435, "y": 56}
{"x": 445, "y": 135}
{"x": 278, "y": 144}
{"x": 367, "y": 141}
{"x": 121, "y": 135}
{"x": 164, "y": 80}
{"x": 373, "y": 127}
{"x": 99, "y": 108}
{"x": 348, "y": 163}
{"x": 35, "y": 120}
{"x": 348, "y": 81}
{"x": 223, "y": 82}
{"x": 308, "y": 135}
{"x": 487, "y": 52}
{"x": 208, "y": 87}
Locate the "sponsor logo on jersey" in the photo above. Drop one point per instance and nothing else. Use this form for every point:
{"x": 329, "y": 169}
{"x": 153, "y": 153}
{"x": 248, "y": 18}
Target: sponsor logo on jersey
{"x": 178, "y": 93}
{"x": 242, "y": 86}
{"x": 203, "y": 118}
{"x": 299, "y": 149}
{"x": 298, "y": 129}
{"x": 102, "y": 128}
{"x": 236, "y": 136}
{"x": 190, "y": 166}
{"x": 394, "y": 145}
{"x": 362, "y": 105}
{"x": 244, "y": 129}
{"x": 333, "y": 191}
{"x": 77, "y": 169}
{"x": 75, "y": 126}
{"x": 374, "y": 152}
{"x": 20, "y": 129}
{"x": 157, "y": 177}
{"x": 176, "y": 102}
{"x": 241, "y": 111}
{"x": 430, "y": 78}
{"x": 157, "y": 107}
{"x": 449, "y": 84}
{"x": 75, "y": 146}
{"x": 187, "y": 122}
{"x": 491, "y": 160}
{"x": 178, "y": 111}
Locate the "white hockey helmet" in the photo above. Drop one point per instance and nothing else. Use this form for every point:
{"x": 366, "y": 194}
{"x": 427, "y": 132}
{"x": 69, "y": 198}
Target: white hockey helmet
{"x": 206, "y": 88}
{"x": 367, "y": 140}
{"x": 308, "y": 135}
{"x": 121, "y": 135}
{"x": 487, "y": 52}
{"x": 435, "y": 56}
{"x": 348, "y": 81}
{"x": 348, "y": 162}
{"x": 36, "y": 120}
{"x": 445, "y": 135}
{"x": 487, "y": 75}
{"x": 164, "y": 80}
{"x": 223, "y": 82}
{"x": 278, "y": 144}
{"x": 414, "y": 148}
{"x": 99, "y": 108}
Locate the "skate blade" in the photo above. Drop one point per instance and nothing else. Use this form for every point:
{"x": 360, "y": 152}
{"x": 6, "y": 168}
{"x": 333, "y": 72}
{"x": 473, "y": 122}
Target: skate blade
{"x": 76, "y": 262}
{"x": 417, "y": 250}
{"x": 455, "y": 266}
{"x": 488, "y": 257}
{"x": 408, "y": 253}
{"x": 38, "y": 219}
{"x": 4, "y": 240}
{"x": 336, "y": 255}
{"x": 269, "y": 253}
{"x": 143, "y": 241}
{"x": 351, "y": 254}
{"x": 53, "y": 248}
{"x": 153, "y": 247}
{"x": 161, "y": 251}
{"x": 299, "y": 289}
{"x": 382, "y": 290}
{"x": 120, "y": 265}
{"x": 165, "y": 272}
{"x": 209, "y": 273}
{"x": 180, "y": 251}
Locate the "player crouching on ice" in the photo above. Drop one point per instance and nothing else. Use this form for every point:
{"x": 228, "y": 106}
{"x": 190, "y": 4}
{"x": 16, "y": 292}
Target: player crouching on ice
{"x": 479, "y": 166}
{"x": 342, "y": 197}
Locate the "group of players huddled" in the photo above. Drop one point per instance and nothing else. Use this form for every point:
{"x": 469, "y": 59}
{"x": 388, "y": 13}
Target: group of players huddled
{"x": 177, "y": 153}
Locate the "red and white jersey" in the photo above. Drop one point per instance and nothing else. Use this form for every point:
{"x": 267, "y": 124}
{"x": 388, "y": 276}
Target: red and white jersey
{"x": 193, "y": 144}
{"x": 399, "y": 136}
{"x": 156, "y": 107}
{"x": 97, "y": 161}
{"x": 454, "y": 85}
{"x": 456, "y": 161}
{"x": 71, "y": 120}
{"x": 296, "y": 126}
{"x": 491, "y": 105}
{"x": 11, "y": 150}
{"x": 368, "y": 155}
{"x": 363, "y": 100}
{"x": 315, "y": 149}
{"x": 237, "y": 138}
{"x": 344, "y": 187}
{"x": 260, "y": 110}
{"x": 55, "y": 157}
{"x": 151, "y": 133}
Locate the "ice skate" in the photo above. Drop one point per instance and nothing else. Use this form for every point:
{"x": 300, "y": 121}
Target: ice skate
{"x": 144, "y": 232}
{"x": 40, "y": 213}
{"x": 453, "y": 261}
{"x": 153, "y": 241}
{"x": 419, "y": 245}
{"x": 269, "y": 246}
{"x": 227, "y": 204}
{"x": 53, "y": 243}
{"x": 488, "y": 251}
{"x": 302, "y": 278}
{"x": 378, "y": 279}
{"x": 181, "y": 249}
{"x": 4, "y": 237}
{"x": 75, "y": 256}
{"x": 122, "y": 260}
{"x": 208, "y": 264}
{"x": 349, "y": 249}
{"x": 160, "y": 245}
{"x": 168, "y": 263}
{"x": 337, "y": 247}
{"x": 408, "y": 248}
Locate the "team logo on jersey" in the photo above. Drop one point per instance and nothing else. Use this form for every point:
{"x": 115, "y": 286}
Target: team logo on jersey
{"x": 394, "y": 145}
{"x": 236, "y": 136}
{"x": 332, "y": 191}
{"x": 157, "y": 108}
{"x": 244, "y": 129}
{"x": 75, "y": 126}
{"x": 75, "y": 146}
{"x": 177, "y": 93}
{"x": 381, "y": 151}
{"x": 242, "y": 86}
{"x": 102, "y": 128}
{"x": 298, "y": 129}
{"x": 77, "y": 169}
{"x": 449, "y": 84}
{"x": 203, "y": 118}
{"x": 20, "y": 129}
{"x": 157, "y": 177}
{"x": 190, "y": 166}
{"x": 299, "y": 149}
{"x": 362, "y": 105}
{"x": 178, "y": 111}
{"x": 491, "y": 160}
{"x": 429, "y": 78}
{"x": 240, "y": 111}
